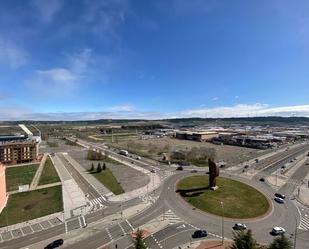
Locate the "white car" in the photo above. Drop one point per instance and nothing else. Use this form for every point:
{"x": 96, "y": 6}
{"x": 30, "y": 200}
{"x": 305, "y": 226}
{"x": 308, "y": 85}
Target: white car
{"x": 277, "y": 230}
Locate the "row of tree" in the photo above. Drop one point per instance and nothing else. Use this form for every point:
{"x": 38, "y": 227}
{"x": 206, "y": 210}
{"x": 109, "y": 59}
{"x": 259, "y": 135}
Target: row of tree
{"x": 242, "y": 240}
{"x": 99, "y": 168}
{"x": 245, "y": 240}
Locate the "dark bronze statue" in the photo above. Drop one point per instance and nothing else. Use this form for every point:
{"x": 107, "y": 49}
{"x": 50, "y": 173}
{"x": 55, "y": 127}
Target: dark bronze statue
{"x": 213, "y": 173}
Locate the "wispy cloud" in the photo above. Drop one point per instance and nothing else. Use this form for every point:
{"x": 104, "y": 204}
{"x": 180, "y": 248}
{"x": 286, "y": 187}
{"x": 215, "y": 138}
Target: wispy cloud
{"x": 47, "y": 9}
{"x": 79, "y": 62}
{"x": 104, "y": 17}
{"x": 244, "y": 110}
{"x": 53, "y": 82}
{"x": 123, "y": 108}
{"x": 127, "y": 112}
{"x": 194, "y": 6}
{"x": 214, "y": 98}
{"x": 12, "y": 55}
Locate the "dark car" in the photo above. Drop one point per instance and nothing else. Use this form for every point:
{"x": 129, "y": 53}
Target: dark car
{"x": 262, "y": 179}
{"x": 199, "y": 234}
{"x": 280, "y": 195}
{"x": 239, "y": 226}
{"x": 54, "y": 244}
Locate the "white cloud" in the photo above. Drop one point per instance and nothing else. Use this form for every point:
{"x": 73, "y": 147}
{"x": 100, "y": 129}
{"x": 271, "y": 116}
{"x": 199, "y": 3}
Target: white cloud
{"x": 79, "y": 62}
{"x": 123, "y": 108}
{"x": 244, "y": 110}
{"x": 214, "y": 98}
{"x": 12, "y": 55}
{"x": 104, "y": 17}
{"x": 236, "y": 97}
{"x": 129, "y": 112}
{"x": 53, "y": 82}
{"x": 47, "y": 8}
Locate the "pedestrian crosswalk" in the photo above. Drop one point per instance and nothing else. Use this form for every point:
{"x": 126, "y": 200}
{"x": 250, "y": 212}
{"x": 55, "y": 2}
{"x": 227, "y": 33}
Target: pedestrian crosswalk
{"x": 149, "y": 198}
{"x": 171, "y": 217}
{"x": 304, "y": 222}
{"x": 96, "y": 203}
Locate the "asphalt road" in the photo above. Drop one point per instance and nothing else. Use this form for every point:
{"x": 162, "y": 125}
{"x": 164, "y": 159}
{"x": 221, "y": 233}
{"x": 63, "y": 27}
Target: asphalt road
{"x": 285, "y": 215}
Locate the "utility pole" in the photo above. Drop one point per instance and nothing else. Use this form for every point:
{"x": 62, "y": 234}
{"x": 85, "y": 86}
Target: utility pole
{"x": 295, "y": 233}
{"x": 222, "y": 225}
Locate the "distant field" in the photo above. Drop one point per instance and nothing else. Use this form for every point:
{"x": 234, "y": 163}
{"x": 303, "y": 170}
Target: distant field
{"x": 115, "y": 138}
{"x": 20, "y": 175}
{"x": 154, "y": 148}
{"x": 49, "y": 173}
{"x": 107, "y": 178}
{"x": 30, "y": 205}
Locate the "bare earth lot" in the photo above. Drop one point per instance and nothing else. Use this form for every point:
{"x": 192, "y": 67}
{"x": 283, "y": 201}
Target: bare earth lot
{"x": 155, "y": 147}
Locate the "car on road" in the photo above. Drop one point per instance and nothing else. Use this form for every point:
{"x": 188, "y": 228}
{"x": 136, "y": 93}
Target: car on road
{"x": 193, "y": 171}
{"x": 279, "y": 200}
{"x": 138, "y": 158}
{"x": 280, "y": 195}
{"x": 153, "y": 171}
{"x": 239, "y": 226}
{"x": 54, "y": 244}
{"x": 277, "y": 230}
{"x": 262, "y": 179}
{"x": 199, "y": 234}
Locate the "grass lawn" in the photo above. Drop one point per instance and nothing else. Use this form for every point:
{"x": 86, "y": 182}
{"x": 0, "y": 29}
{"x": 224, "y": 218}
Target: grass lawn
{"x": 239, "y": 199}
{"x": 30, "y": 205}
{"x": 49, "y": 173}
{"x": 109, "y": 180}
{"x": 19, "y": 175}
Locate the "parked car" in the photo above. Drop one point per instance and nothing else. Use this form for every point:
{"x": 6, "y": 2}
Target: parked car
{"x": 138, "y": 158}
{"x": 262, "y": 179}
{"x": 54, "y": 244}
{"x": 199, "y": 234}
{"x": 279, "y": 200}
{"x": 277, "y": 230}
{"x": 153, "y": 171}
{"x": 239, "y": 226}
{"x": 280, "y": 195}
{"x": 193, "y": 171}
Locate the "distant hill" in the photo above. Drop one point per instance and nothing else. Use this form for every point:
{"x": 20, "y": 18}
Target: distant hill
{"x": 176, "y": 122}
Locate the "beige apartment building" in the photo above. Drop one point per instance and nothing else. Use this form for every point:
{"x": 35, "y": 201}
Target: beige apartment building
{"x": 3, "y": 194}
{"x": 14, "y": 152}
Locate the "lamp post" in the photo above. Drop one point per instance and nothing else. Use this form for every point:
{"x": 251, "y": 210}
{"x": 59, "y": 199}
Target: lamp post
{"x": 222, "y": 222}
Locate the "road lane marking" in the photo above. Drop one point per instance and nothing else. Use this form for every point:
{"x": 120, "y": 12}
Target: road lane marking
{"x": 130, "y": 224}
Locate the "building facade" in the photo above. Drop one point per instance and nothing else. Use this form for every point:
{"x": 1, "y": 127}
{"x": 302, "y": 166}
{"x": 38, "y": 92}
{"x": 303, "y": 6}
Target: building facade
{"x": 3, "y": 195}
{"x": 14, "y": 152}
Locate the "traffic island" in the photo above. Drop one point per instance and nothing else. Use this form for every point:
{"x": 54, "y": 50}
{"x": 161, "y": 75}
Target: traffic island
{"x": 233, "y": 199}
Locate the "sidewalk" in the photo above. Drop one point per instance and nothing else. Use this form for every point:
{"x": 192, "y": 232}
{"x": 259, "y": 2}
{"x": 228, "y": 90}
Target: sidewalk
{"x": 36, "y": 178}
{"x": 73, "y": 196}
{"x": 99, "y": 187}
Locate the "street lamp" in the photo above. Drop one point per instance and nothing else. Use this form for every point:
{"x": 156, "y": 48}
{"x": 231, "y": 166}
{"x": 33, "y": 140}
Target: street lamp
{"x": 222, "y": 223}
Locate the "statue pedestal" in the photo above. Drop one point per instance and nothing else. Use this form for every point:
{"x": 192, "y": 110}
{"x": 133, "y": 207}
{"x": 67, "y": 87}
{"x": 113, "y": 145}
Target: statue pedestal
{"x": 214, "y": 188}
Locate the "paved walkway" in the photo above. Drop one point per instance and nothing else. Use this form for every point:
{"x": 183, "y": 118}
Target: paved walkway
{"x": 73, "y": 196}
{"x": 99, "y": 187}
{"x": 36, "y": 178}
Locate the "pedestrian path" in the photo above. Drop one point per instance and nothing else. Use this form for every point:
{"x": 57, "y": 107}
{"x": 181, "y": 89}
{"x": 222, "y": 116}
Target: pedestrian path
{"x": 171, "y": 217}
{"x": 98, "y": 186}
{"x": 149, "y": 198}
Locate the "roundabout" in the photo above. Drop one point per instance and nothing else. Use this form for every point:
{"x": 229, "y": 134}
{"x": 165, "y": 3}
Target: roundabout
{"x": 233, "y": 199}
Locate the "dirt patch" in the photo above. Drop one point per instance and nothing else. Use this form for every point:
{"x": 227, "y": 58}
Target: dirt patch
{"x": 155, "y": 148}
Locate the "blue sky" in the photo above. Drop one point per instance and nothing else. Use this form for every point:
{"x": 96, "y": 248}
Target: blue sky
{"x": 153, "y": 59}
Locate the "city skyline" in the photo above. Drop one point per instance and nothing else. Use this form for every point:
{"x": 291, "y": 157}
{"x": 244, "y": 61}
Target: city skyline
{"x": 76, "y": 60}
